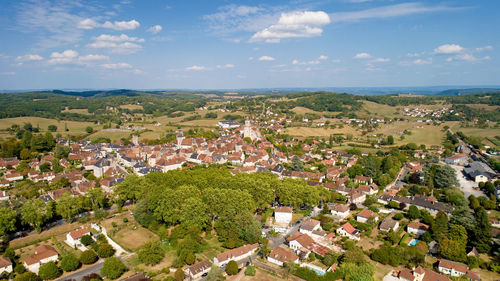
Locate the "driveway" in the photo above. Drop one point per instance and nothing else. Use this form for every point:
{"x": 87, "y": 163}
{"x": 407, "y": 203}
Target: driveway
{"x": 467, "y": 186}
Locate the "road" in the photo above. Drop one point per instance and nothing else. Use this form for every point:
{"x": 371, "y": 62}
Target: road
{"x": 96, "y": 268}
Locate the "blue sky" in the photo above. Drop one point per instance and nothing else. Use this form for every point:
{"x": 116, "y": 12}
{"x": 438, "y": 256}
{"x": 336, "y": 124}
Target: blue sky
{"x": 210, "y": 44}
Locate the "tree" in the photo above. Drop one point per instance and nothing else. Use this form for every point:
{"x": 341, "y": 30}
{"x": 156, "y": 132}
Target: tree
{"x": 297, "y": 164}
{"x": 52, "y": 128}
{"x": 35, "y": 212}
{"x": 49, "y": 271}
{"x": 151, "y": 253}
{"x": 69, "y": 263}
{"x": 67, "y": 206}
{"x": 481, "y": 233}
{"x": 194, "y": 213}
{"x": 440, "y": 226}
{"x": 27, "y": 276}
{"x": 390, "y": 140}
{"x": 452, "y": 250}
{"x": 190, "y": 259}
{"x": 86, "y": 240}
{"x": 215, "y": 274}
{"x": 105, "y": 250}
{"x": 232, "y": 268}
{"x": 445, "y": 176}
{"x": 88, "y": 257}
{"x": 250, "y": 271}
{"x": 179, "y": 274}
{"x": 89, "y": 130}
{"x": 113, "y": 268}
{"x": 7, "y": 220}
{"x": 413, "y": 212}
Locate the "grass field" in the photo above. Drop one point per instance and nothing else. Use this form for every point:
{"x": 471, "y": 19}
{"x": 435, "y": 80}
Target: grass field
{"x": 302, "y": 110}
{"x": 130, "y": 235}
{"x": 131, "y": 106}
{"x": 375, "y": 110}
{"x": 77, "y": 110}
{"x": 320, "y": 132}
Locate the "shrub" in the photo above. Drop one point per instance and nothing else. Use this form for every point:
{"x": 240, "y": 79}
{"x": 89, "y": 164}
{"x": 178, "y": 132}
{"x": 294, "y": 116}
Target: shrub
{"x": 398, "y": 216}
{"x": 88, "y": 257}
{"x": 19, "y": 268}
{"x": 69, "y": 263}
{"x": 190, "y": 259}
{"x": 151, "y": 252}
{"x": 113, "y": 224}
{"x": 113, "y": 268}
{"x": 179, "y": 274}
{"x": 86, "y": 240}
{"x": 125, "y": 220}
{"x": 49, "y": 271}
{"x": 105, "y": 250}
{"x": 250, "y": 271}
{"x": 27, "y": 276}
{"x": 232, "y": 268}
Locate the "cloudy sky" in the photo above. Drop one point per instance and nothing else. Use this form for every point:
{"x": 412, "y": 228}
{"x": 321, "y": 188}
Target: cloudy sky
{"x": 166, "y": 44}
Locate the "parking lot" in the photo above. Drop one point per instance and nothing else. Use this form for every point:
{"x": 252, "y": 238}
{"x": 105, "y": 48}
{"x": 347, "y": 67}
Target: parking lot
{"x": 467, "y": 186}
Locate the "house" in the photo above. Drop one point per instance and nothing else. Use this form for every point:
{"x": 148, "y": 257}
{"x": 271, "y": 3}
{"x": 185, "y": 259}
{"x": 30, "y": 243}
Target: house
{"x": 347, "y": 230}
{"x": 43, "y": 254}
{"x": 5, "y": 265}
{"x": 4, "y": 196}
{"x": 339, "y": 210}
{"x": 452, "y": 268}
{"x": 356, "y": 197}
{"x": 283, "y": 215}
{"x": 197, "y": 270}
{"x": 309, "y": 226}
{"x": 366, "y": 215}
{"x": 237, "y": 254}
{"x": 73, "y": 237}
{"x": 228, "y": 124}
{"x": 421, "y": 274}
{"x": 363, "y": 180}
{"x": 479, "y": 172}
{"x": 457, "y": 159}
{"x": 371, "y": 189}
{"x": 388, "y": 223}
{"x": 280, "y": 255}
{"x": 304, "y": 244}
{"x": 417, "y": 228}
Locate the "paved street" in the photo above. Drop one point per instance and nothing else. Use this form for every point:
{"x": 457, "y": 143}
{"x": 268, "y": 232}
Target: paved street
{"x": 96, "y": 268}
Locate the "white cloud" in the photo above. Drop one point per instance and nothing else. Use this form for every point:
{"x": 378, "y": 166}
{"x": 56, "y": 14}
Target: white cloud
{"x": 389, "y": 11}
{"x": 155, "y": 29}
{"x": 485, "y": 48}
{"x": 91, "y": 58}
{"x": 381, "y": 60}
{"x": 448, "y": 49}
{"x": 121, "y": 65}
{"x": 29, "y": 57}
{"x": 363, "y": 56}
{"x": 336, "y": 61}
{"x": 122, "y": 25}
{"x": 233, "y": 18}
{"x": 413, "y": 55}
{"x": 294, "y": 25}
{"x": 89, "y": 23}
{"x": 122, "y": 44}
{"x": 67, "y": 56}
{"x": 422, "y": 61}
{"x": 225, "y": 66}
{"x": 266, "y": 58}
{"x": 467, "y": 57}
{"x": 196, "y": 68}
{"x": 323, "y": 57}
{"x": 296, "y": 62}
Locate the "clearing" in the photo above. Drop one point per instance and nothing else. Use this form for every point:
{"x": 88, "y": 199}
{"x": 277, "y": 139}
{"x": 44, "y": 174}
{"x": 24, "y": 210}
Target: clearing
{"x": 130, "y": 235}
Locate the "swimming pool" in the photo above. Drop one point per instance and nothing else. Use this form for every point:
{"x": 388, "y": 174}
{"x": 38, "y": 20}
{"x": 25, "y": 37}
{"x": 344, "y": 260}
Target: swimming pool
{"x": 413, "y": 242}
{"x": 319, "y": 272}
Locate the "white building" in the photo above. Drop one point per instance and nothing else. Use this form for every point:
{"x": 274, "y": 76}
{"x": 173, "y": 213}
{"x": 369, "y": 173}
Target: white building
{"x": 347, "y": 230}
{"x": 365, "y": 215}
{"x": 452, "y": 268}
{"x": 43, "y": 255}
{"x": 228, "y": 124}
{"x": 281, "y": 255}
{"x": 339, "y": 210}
{"x": 417, "y": 228}
{"x": 196, "y": 271}
{"x": 73, "y": 237}
{"x": 283, "y": 215}
{"x": 5, "y": 265}
{"x": 237, "y": 254}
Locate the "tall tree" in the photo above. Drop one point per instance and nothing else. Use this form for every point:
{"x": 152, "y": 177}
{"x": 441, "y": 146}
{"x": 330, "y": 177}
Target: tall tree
{"x": 481, "y": 234}
{"x": 67, "y": 206}
{"x": 445, "y": 176}
{"x": 35, "y": 212}
{"x": 7, "y": 220}
{"x": 440, "y": 226}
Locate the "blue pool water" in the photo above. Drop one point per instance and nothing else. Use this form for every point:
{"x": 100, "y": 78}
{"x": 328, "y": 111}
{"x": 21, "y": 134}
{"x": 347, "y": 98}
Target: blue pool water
{"x": 319, "y": 272}
{"x": 413, "y": 242}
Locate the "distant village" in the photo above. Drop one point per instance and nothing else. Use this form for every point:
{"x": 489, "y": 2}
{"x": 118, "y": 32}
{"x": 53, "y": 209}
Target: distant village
{"x": 111, "y": 162}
